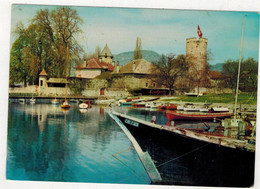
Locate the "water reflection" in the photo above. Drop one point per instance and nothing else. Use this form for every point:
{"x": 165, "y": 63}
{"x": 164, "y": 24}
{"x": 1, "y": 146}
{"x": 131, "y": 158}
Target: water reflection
{"x": 48, "y": 143}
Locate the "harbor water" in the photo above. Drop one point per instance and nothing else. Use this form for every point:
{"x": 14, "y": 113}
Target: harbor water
{"x": 46, "y": 143}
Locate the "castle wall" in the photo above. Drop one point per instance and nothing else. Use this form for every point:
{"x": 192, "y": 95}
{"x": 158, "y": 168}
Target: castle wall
{"x": 89, "y": 74}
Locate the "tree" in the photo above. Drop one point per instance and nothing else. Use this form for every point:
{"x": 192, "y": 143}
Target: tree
{"x": 138, "y": 49}
{"x": 46, "y": 43}
{"x": 198, "y": 75}
{"x": 19, "y": 69}
{"x": 62, "y": 25}
{"x": 168, "y": 69}
{"x": 97, "y": 52}
{"x": 248, "y": 74}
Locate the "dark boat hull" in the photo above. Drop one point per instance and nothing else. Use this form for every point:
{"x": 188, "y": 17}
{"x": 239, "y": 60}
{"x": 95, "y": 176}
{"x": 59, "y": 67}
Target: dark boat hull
{"x": 205, "y": 164}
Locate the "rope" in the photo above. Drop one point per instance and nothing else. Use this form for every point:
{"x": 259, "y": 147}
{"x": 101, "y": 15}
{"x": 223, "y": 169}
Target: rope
{"x": 183, "y": 155}
{"x": 123, "y": 151}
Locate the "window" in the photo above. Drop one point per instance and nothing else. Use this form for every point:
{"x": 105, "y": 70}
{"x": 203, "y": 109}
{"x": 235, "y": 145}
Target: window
{"x": 41, "y": 84}
{"x": 154, "y": 85}
{"x": 146, "y": 84}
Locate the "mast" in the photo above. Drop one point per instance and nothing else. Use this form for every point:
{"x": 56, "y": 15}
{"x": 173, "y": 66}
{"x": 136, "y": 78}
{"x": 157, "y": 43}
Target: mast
{"x": 239, "y": 65}
{"x": 66, "y": 73}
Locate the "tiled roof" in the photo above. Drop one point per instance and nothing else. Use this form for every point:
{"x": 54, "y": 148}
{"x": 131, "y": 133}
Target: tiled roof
{"x": 106, "y": 52}
{"x": 43, "y": 72}
{"x": 56, "y": 80}
{"x": 139, "y": 66}
{"x": 96, "y": 64}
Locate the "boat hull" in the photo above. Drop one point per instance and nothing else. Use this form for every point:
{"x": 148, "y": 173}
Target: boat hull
{"x": 209, "y": 164}
{"x": 173, "y": 116}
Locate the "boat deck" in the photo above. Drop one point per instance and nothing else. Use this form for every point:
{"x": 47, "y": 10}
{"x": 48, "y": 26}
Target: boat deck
{"x": 219, "y": 140}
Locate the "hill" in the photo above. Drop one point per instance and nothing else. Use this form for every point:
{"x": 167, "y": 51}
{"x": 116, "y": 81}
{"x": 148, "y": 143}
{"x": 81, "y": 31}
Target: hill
{"x": 217, "y": 67}
{"x": 126, "y": 57}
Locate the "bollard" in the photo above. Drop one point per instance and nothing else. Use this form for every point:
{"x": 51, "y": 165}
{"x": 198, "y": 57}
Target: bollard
{"x": 153, "y": 119}
{"x": 172, "y": 123}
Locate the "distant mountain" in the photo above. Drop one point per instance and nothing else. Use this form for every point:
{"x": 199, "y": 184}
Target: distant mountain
{"x": 217, "y": 67}
{"x": 126, "y": 57}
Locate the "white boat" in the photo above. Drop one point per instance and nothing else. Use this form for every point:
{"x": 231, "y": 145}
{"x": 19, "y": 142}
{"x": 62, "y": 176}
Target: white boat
{"x": 83, "y": 106}
{"x": 204, "y": 110}
{"x": 191, "y": 109}
{"x": 54, "y": 101}
{"x": 83, "y": 111}
{"x": 21, "y": 101}
{"x": 32, "y": 100}
{"x": 220, "y": 109}
{"x": 152, "y": 105}
{"x": 180, "y": 107}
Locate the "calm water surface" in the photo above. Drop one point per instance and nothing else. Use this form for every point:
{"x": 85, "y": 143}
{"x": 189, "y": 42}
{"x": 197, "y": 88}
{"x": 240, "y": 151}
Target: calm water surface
{"x": 46, "y": 143}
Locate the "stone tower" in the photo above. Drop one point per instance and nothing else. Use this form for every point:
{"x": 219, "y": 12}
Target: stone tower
{"x": 43, "y": 79}
{"x": 196, "y": 52}
{"x": 106, "y": 56}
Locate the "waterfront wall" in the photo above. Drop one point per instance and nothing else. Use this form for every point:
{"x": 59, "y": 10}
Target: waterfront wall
{"x": 60, "y": 92}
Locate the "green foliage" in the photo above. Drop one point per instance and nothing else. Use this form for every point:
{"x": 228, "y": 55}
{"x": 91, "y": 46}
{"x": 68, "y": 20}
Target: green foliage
{"x": 243, "y": 98}
{"x": 107, "y": 76}
{"x": 138, "y": 49}
{"x": 77, "y": 85}
{"x": 48, "y": 42}
{"x": 248, "y": 74}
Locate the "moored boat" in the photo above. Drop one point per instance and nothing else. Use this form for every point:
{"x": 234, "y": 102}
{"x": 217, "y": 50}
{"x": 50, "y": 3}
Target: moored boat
{"x": 54, "y": 101}
{"x": 83, "y": 106}
{"x": 139, "y": 104}
{"x": 65, "y": 104}
{"x": 172, "y": 116}
{"x": 21, "y": 101}
{"x": 32, "y": 101}
{"x": 168, "y": 107}
{"x": 218, "y": 110}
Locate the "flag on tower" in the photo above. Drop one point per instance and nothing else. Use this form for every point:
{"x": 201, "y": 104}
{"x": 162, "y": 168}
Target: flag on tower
{"x": 199, "y": 32}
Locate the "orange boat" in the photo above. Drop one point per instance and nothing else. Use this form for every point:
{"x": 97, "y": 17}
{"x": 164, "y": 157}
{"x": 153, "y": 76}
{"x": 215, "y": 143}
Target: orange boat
{"x": 65, "y": 104}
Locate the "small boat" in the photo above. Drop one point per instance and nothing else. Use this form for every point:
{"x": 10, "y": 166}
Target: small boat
{"x": 168, "y": 107}
{"x": 205, "y": 110}
{"x": 139, "y": 104}
{"x": 65, "y": 104}
{"x": 191, "y": 109}
{"x": 21, "y": 101}
{"x": 83, "y": 111}
{"x": 172, "y": 116}
{"x": 83, "y": 106}
{"x": 32, "y": 100}
{"x": 180, "y": 108}
{"x": 152, "y": 105}
{"x": 74, "y": 101}
{"x": 218, "y": 110}
{"x": 151, "y": 99}
{"x": 54, "y": 101}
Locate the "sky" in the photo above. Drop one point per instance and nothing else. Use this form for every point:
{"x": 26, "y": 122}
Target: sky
{"x": 161, "y": 30}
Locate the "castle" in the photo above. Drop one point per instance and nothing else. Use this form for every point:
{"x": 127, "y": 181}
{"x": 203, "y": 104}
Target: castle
{"x": 196, "y": 52}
